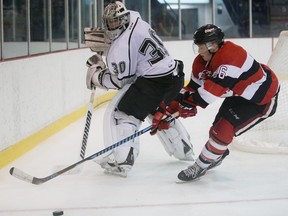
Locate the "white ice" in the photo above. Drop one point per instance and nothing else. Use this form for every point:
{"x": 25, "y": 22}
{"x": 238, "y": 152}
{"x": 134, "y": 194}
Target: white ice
{"x": 245, "y": 184}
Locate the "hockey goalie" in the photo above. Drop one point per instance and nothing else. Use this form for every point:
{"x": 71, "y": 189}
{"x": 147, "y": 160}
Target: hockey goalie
{"x": 139, "y": 66}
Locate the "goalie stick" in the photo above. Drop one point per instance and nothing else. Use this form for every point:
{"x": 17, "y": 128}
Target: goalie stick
{"x": 17, "y": 173}
{"x": 85, "y": 135}
{"x": 87, "y": 124}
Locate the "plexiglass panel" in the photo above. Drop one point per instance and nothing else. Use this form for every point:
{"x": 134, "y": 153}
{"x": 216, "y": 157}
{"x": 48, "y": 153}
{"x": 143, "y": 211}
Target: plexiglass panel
{"x": 39, "y": 27}
{"x": 14, "y": 28}
{"x": 58, "y": 24}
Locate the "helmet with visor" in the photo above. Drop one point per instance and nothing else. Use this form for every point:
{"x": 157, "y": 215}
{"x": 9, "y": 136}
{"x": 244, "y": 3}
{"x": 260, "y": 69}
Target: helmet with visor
{"x": 115, "y": 18}
{"x": 207, "y": 34}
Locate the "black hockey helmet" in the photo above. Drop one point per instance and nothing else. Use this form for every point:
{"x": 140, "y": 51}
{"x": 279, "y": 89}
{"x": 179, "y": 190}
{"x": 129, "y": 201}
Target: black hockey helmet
{"x": 208, "y": 33}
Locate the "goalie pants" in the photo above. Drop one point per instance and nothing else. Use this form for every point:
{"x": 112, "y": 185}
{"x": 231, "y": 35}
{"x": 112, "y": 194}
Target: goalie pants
{"x": 145, "y": 94}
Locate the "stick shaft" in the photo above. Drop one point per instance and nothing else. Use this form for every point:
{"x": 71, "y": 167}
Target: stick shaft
{"x": 87, "y": 124}
{"x": 34, "y": 180}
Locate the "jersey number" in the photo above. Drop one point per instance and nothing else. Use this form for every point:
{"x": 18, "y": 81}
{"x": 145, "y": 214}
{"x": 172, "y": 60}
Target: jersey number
{"x": 157, "y": 53}
{"x": 120, "y": 68}
{"x": 222, "y": 72}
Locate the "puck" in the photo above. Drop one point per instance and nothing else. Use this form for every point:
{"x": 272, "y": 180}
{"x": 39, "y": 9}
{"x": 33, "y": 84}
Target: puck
{"x": 58, "y": 213}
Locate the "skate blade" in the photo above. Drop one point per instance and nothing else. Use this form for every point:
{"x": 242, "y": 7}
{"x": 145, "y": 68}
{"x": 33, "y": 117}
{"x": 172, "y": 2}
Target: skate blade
{"x": 116, "y": 173}
{"x": 178, "y": 181}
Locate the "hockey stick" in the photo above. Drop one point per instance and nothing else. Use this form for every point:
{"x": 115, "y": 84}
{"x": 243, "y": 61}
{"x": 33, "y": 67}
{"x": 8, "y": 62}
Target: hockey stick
{"x": 37, "y": 181}
{"x": 85, "y": 134}
{"x": 87, "y": 124}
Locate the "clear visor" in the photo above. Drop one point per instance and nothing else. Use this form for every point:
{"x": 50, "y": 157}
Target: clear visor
{"x": 200, "y": 48}
{"x": 195, "y": 48}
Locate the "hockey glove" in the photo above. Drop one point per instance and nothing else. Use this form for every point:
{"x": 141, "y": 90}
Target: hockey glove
{"x": 157, "y": 122}
{"x": 94, "y": 76}
{"x": 96, "y": 40}
{"x": 95, "y": 59}
{"x": 173, "y": 107}
{"x": 187, "y": 107}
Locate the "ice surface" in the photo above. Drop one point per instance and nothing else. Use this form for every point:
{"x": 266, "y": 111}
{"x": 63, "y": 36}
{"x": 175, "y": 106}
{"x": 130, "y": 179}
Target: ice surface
{"x": 245, "y": 184}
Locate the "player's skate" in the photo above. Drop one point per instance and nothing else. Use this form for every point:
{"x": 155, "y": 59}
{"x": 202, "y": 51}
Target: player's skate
{"x": 111, "y": 166}
{"x": 191, "y": 173}
{"x": 195, "y": 171}
{"x": 218, "y": 162}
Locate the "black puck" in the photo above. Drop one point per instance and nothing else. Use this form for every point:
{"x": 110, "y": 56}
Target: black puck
{"x": 58, "y": 213}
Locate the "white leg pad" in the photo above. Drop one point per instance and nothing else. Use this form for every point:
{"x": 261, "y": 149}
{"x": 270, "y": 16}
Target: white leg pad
{"x": 117, "y": 126}
{"x": 125, "y": 126}
{"x": 176, "y": 140}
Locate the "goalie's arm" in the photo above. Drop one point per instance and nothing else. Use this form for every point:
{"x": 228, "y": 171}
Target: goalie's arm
{"x": 102, "y": 78}
{"x": 99, "y": 75}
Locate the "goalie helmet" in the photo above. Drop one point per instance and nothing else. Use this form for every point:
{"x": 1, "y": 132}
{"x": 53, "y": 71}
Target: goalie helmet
{"x": 116, "y": 18}
{"x": 209, "y": 33}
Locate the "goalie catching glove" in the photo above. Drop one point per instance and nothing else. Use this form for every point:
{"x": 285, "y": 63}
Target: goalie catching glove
{"x": 96, "y": 40}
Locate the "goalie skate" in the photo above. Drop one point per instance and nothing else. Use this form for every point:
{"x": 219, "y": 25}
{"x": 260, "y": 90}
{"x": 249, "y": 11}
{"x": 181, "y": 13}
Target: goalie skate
{"x": 115, "y": 169}
{"x": 111, "y": 166}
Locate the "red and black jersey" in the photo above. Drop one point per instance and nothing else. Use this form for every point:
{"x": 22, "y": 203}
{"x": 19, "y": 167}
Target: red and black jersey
{"x": 232, "y": 72}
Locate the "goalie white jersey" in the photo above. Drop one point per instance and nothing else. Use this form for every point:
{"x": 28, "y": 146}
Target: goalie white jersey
{"x": 137, "y": 64}
{"x": 144, "y": 56}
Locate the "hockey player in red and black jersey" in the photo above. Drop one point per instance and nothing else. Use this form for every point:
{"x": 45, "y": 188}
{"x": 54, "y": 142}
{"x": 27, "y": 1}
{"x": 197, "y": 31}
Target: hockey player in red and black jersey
{"x": 224, "y": 69}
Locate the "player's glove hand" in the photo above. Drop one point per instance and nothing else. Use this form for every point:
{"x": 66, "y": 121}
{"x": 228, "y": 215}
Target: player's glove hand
{"x": 187, "y": 107}
{"x": 172, "y": 108}
{"x": 94, "y": 77}
{"x": 95, "y": 59}
{"x": 158, "y": 123}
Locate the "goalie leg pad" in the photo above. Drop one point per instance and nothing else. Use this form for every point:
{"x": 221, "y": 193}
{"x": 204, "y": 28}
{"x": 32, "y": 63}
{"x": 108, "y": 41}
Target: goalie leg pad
{"x": 117, "y": 126}
{"x": 109, "y": 121}
{"x": 176, "y": 140}
{"x": 123, "y": 157}
{"x": 124, "y": 127}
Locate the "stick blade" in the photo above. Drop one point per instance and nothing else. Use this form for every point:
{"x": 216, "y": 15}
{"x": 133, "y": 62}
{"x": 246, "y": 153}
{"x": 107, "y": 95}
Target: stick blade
{"x": 17, "y": 173}
{"x": 21, "y": 175}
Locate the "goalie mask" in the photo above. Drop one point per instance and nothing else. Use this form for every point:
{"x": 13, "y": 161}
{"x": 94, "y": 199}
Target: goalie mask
{"x": 116, "y": 18}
